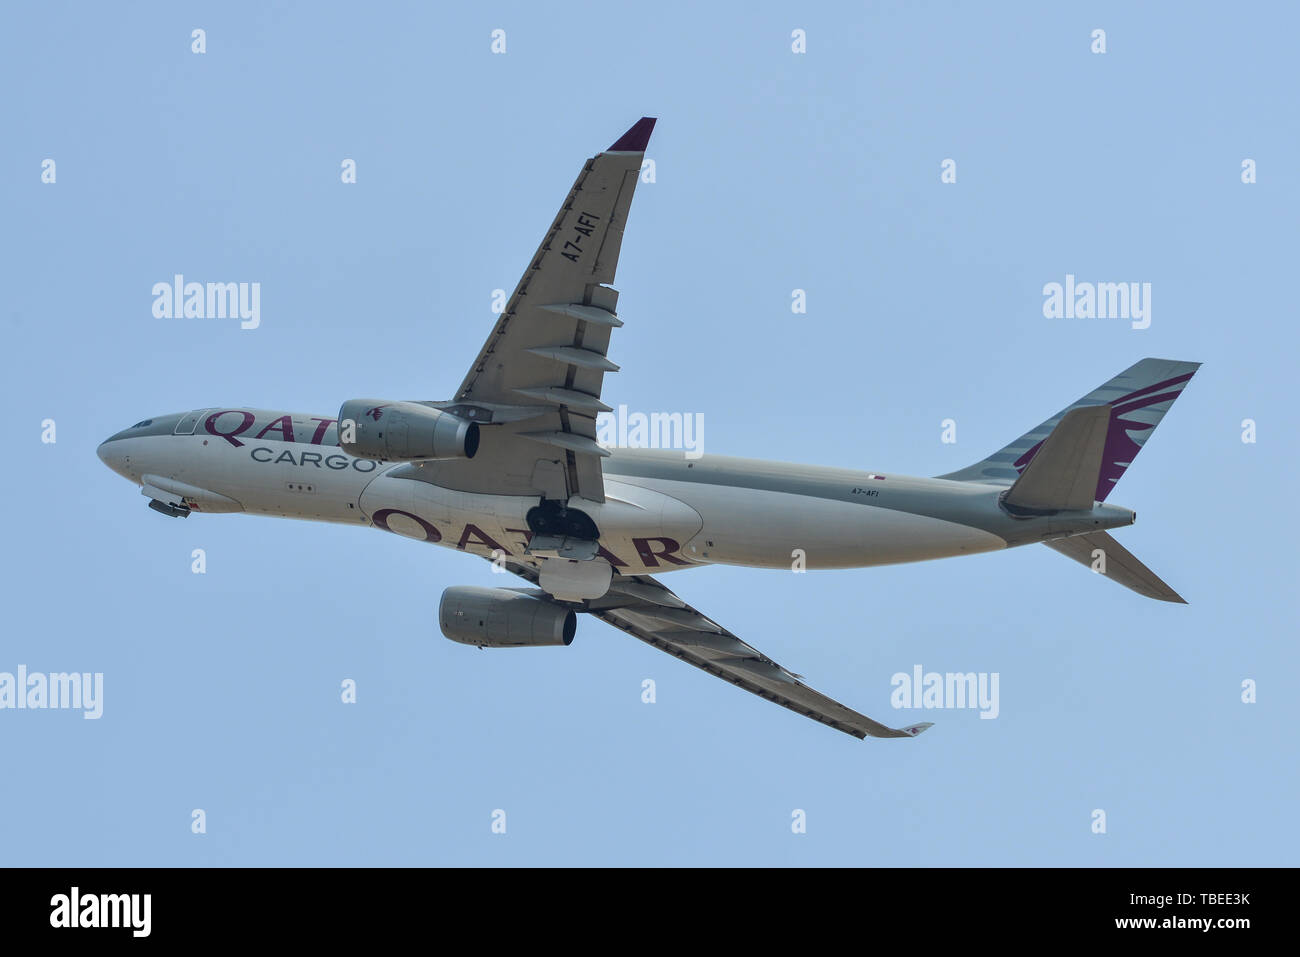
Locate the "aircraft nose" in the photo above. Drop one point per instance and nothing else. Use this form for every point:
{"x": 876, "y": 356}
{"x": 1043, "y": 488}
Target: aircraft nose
{"x": 111, "y": 454}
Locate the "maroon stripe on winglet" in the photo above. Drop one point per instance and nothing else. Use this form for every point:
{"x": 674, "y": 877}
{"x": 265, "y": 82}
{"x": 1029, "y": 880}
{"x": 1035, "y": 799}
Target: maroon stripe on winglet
{"x": 636, "y": 139}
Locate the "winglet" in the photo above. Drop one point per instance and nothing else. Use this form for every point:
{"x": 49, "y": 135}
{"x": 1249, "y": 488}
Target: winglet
{"x": 636, "y": 139}
{"x": 912, "y": 730}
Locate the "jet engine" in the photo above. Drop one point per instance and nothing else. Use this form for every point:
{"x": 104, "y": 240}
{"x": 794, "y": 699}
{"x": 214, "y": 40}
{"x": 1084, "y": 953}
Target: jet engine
{"x": 504, "y": 618}
{"x": 404, "y": 432}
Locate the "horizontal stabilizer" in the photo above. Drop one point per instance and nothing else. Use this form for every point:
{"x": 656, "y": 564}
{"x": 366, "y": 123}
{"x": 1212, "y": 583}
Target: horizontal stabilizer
{"x": 1063, "y": 473}
{"x": 1119, "y": 564}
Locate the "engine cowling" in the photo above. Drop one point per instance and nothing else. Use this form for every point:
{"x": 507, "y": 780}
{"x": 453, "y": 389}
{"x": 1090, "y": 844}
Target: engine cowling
{"x": 504, "y": 618}
{"x": 404, "y": 432}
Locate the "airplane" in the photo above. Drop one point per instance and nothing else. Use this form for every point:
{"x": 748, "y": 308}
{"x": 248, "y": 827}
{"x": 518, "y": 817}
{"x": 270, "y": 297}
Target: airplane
{"x": 510, "y": 469}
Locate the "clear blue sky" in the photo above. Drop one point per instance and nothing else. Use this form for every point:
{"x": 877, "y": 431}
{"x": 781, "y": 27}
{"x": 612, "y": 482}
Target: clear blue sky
{"x": 775, "y": 171}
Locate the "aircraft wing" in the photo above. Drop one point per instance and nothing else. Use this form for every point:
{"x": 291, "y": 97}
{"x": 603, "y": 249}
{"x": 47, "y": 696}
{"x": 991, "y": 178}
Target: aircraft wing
{"x": 645, "y": 609}
{"x": 545, "y": 360}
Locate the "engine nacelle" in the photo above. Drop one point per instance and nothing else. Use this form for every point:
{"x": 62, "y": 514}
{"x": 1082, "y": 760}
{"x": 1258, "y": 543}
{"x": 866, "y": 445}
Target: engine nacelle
{"x": 504, "y": 618}
{"x": 404, "y": 432}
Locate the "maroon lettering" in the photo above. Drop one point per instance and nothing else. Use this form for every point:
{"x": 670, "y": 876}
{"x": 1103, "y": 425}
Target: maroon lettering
{"x": 380, "y": 519}
{"x": 211, "y": 425}
{"x": 319, "y": 436}
{"x": 649, "y": 556}
{"x": 614, "y": 560}
{"x": 283, "y": 425}
{"x": 482, "y": 538}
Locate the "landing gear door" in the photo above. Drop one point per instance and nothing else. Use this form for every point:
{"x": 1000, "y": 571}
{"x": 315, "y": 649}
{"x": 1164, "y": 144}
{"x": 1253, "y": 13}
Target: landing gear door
{"x": 190, "y": 422}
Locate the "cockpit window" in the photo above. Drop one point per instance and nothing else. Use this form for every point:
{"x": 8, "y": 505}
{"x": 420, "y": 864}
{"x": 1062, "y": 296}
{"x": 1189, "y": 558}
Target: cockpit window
{"x": 141, "y": 425}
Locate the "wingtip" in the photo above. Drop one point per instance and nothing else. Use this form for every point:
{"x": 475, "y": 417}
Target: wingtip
{"x": 636, "y": 139}
{"x": 912, "y": 730}
{"x": 1167, "y": 594}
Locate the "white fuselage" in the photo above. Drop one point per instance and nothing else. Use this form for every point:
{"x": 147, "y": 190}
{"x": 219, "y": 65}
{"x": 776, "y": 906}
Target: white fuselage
{"x": 661, "y": 511}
